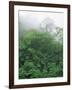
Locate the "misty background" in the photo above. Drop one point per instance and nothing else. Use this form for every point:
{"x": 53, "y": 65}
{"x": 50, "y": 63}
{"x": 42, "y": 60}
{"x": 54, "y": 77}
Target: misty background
{"x": 41, "y": 21}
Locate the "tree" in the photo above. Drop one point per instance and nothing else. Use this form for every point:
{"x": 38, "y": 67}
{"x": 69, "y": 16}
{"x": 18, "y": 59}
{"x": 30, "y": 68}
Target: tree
{"x": 40, "y": 55}
{"x": 47, "y": 25}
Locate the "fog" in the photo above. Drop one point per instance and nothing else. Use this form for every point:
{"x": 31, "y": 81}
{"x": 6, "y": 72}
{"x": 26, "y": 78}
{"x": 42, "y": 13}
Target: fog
{"x": 39, "y": 20}
{"x": 34, "y": 19}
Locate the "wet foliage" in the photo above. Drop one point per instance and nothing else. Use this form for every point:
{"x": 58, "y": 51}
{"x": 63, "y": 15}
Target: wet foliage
{"x": 40, "y": 55}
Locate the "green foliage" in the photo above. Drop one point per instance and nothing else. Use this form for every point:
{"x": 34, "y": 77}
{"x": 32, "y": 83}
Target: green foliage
{"x": 40, "y": 55}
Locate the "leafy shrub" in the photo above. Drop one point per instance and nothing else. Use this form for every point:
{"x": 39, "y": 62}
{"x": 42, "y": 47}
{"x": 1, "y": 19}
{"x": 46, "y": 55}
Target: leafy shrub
{"x": 40, "y": 55}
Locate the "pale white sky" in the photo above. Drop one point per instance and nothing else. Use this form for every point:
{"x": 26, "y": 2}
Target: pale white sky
{"x": 33, "y": 19}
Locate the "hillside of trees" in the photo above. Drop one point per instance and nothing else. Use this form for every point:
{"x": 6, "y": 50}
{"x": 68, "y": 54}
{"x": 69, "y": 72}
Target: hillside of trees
{"x": 40, "y": 55}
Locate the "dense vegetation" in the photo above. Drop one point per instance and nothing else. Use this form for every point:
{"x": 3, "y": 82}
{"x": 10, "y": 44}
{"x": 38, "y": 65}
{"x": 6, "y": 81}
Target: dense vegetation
{"x": 40, "y": 55}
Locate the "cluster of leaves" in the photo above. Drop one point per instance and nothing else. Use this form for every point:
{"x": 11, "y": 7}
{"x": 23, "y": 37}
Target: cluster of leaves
{"x": 40, "y": 55}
